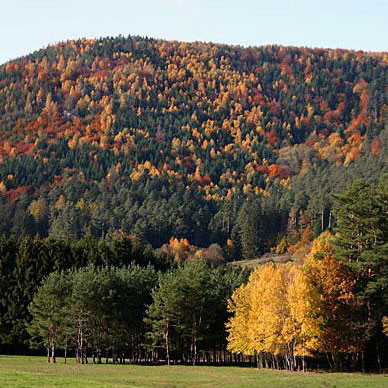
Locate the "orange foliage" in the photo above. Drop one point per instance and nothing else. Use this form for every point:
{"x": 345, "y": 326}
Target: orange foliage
{"x": 276, "y": 171}
{"x": 375, "y": 146}
{"x": 272, "y": 137}
{"x": 15, "y": 194}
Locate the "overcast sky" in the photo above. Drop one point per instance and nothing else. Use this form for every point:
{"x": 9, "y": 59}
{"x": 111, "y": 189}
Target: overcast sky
{"x": 28, "y": 25}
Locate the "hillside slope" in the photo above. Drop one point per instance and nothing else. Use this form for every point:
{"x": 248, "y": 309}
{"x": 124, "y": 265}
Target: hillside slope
{"x": 158, "y": 138}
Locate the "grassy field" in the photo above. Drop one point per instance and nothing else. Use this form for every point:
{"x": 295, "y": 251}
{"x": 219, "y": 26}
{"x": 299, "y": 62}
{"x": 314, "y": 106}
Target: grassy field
{"x": 35, "y": 372}
{"x": 267, "y": 258}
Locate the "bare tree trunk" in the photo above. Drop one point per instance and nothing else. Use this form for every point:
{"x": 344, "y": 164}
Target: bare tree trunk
{"x": 80, "y": 345}
{"x": 329, "y": 220}
{"x": 328, "y": 360}
{"x": 167, "y": 344}
{"x": 194, "y": 347}
{"x": 53, "y": 358}
{"x": 363, "y": 362}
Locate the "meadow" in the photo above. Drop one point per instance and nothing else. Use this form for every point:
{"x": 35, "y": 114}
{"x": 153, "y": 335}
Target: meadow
{"x": 24, "y": 371}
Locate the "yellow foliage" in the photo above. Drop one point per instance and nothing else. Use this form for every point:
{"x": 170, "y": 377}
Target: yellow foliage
{"x": 60, "y": 202}
{"x": 274, "y": 313}
{"x": 295, "y": 311}
{"x": 238, "y": 326}
{"x": 81, "y": 204}
{"x": 230, "y": 247}
{"x": 38, "y": 208}
{"x": 136, "y": 175}
{"x": 385, "y": 325}
{"x": 302, "y": 327}
{"x": 179, "y": 247}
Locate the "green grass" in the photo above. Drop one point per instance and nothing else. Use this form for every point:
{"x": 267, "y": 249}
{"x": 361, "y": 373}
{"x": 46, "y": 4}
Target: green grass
{"x": 35, "y": 372}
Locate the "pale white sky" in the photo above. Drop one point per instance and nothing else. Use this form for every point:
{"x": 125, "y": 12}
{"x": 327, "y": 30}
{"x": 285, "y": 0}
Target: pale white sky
{"x": 27, "y": 25}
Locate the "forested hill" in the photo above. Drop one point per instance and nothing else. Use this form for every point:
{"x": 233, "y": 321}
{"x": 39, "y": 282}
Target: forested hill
{"x": 161, "y": 139}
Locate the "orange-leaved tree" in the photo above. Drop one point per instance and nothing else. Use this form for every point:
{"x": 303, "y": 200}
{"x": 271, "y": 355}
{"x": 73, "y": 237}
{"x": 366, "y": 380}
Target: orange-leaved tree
{"x": 342, "y": 332}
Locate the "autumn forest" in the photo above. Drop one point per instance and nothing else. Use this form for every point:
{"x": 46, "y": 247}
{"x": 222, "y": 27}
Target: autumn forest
{"x": 136, "y": 174}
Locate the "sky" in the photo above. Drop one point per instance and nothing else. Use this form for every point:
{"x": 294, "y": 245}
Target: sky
{"x": 28, "y": 25}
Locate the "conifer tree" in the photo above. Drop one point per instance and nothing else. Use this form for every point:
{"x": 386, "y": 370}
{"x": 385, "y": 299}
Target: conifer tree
{"x": 50, "y": 323}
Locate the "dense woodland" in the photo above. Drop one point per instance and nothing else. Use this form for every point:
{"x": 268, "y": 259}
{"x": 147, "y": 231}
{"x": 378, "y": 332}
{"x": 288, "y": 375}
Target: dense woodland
{"x": 123, "y": 301}
{"x": 132, "y": 170}
{"x": 167, "y": 140}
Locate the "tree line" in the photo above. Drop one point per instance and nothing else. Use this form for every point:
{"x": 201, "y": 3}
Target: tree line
{"x": 134, "y": 313}
{"x": 25, "y": 262}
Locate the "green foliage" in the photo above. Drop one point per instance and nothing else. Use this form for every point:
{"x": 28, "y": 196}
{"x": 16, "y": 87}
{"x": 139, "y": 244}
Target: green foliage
{"x": 92, "y": 310}
{"x": 362, "y": 244}
{"x": 50, "y": 325}
{"x": 25, "y": 262}
{"x": 188, "y": 311}
{"x": 96, "y": 310}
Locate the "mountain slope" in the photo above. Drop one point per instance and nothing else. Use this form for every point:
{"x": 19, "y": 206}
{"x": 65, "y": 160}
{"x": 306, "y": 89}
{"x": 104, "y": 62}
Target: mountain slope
{"x": 135, "y": 116}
